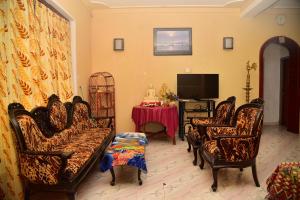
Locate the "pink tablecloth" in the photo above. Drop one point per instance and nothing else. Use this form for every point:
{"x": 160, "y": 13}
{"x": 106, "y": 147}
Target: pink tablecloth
{"x": 167, "y": 116}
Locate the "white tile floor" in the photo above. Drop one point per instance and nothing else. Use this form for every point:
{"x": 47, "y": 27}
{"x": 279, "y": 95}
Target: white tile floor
{"x": 171, "y": 174}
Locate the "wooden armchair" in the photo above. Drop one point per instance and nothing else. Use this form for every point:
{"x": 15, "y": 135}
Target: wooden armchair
{"x": 234, "y": 146}
{"x": 223, "y": 115}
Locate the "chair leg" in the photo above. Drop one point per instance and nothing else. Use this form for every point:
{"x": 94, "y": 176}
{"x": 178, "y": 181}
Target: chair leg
{"x": 214, "y": 186}
{"x": 201, "y": 159}
{"x": 255, "y": 174}
{"x": 189, "y": 144}
{"x": 241, "y": 169}
{"x": 195, "y": 150}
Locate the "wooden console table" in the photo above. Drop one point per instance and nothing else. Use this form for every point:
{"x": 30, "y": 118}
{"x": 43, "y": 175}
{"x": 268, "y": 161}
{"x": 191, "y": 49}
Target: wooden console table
{"x": 209, "y": 109}
{"x": 167, "y": 116}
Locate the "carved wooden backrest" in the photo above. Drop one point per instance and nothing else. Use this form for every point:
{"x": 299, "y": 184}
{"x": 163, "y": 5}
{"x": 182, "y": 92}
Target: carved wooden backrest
{"x": 57, "y": 113}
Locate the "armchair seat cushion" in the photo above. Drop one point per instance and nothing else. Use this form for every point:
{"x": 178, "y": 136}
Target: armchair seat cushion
{"x": 83, "y": 145}
{"x": 211, "y": 147}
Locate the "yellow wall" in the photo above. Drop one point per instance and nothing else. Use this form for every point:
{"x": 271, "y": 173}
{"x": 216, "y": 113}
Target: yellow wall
{"x": 136, "y": 67}
{"x": 82, "y": 17}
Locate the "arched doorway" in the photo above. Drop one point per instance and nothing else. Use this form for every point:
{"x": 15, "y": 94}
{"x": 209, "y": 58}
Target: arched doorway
{"x": 292, "y": 100}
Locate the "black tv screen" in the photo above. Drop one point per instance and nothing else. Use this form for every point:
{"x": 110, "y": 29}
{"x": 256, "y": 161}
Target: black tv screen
{"x": 198, "y": 86}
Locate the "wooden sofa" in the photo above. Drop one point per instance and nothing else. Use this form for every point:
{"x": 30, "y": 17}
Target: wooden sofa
{"x": 58, "y": 144}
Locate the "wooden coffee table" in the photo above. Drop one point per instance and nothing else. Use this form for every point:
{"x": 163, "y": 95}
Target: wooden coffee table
{"x": 127, "y": 149}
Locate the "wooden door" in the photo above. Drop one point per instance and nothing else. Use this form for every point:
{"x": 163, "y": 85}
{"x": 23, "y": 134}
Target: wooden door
{"x": 284, "y": 91}
{"x": 292, "y": 102}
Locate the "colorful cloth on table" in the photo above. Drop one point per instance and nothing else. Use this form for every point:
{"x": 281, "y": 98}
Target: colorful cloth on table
{"x": 126, "y": 149}
{"x": 131, "y": 138}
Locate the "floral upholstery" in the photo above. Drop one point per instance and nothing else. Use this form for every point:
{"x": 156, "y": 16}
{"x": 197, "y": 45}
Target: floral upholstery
{"x": 284, "y": 183}
{"x": 211, "y": 147}
{"x": 58, "y": 116}
{"x": 223, "y": 113}
{"x": 83, "y": 146}
{"x": 239, "y": 149}
{"x": 245, "y": 121}
{"x": 40, "y": 168}
{"x": 219, "y": 118}
{"x": 81, "y": 117}
{"x": 236, "y": 146}
{"x": 205, "y": 120}
{"x": 103, "y": 123}
{"x": 236, "y": 143}
{"x": 33, "y": 137}
{"x": 215, "y": 131}
{"x": 84, "y": 138}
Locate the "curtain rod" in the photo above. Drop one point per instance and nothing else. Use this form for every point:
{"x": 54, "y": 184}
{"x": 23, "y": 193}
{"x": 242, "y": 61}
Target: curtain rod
{"x": 51, "y": 8}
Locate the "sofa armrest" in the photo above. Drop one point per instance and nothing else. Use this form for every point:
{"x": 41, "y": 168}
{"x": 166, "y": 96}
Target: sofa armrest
{"x": 216, "y": 131}
{"x": 63, "y": 155}
{"x": 195, "y": 121}
{"x": 44, "y": 167}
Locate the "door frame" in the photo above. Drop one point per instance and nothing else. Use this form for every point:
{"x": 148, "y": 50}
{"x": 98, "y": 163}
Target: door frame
{"x": 294, "y": 97}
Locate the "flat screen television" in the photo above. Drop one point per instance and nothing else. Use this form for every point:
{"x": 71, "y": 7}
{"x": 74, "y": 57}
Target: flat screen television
{"x": 198, "y": 86}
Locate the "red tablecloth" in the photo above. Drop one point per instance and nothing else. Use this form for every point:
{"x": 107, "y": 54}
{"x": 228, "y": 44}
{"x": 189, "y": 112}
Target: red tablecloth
{"x": 167, "y": 116}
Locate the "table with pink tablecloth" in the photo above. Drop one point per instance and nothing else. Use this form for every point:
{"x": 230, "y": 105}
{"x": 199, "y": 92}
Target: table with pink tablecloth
{"x": 167, "y": 116}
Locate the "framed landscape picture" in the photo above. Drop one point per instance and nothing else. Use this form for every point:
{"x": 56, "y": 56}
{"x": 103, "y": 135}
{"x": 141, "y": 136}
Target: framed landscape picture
{"x": 172, "y": 41}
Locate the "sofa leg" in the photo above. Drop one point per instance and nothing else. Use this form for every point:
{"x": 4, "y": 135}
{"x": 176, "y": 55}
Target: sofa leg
{"x": 201, "y": 159}
{"x": 71, "y": 195}
{"x": 214, "y": 186}
{"x": 195, "y": 150}
{"x": 113, "y": 181}
{"x": 27, "y": 193}
{"x": 255, "y": 174}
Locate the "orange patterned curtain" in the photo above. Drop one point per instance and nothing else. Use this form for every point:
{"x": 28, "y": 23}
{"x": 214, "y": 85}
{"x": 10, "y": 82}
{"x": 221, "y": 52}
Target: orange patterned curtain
{"x": 35, "y": 62}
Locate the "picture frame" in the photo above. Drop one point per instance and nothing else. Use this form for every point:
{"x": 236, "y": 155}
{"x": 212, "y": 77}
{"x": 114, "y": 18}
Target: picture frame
{"x": 172, "y": 41}
{"x": 118, "y": 44}
{"x": 227, "y": 42}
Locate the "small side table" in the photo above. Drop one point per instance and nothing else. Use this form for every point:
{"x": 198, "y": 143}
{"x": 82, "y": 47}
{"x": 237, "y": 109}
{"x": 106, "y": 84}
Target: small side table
{"x": 167, "y": 116}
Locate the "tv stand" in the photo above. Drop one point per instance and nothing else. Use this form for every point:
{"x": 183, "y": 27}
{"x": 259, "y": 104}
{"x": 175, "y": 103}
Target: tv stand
{"x": 209, "y": 109}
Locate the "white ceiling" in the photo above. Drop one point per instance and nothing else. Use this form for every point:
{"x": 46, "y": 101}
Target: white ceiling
{"x": 164, "y": 3}
{"x": 287, "y": 4}
{"x": 193, "y": 3}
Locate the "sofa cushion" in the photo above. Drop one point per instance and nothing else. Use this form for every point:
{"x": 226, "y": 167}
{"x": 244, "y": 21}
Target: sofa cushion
{"x": 58, "y": 116}
{"x": 64, "y": 136}
{"x": 33, "y": 137}
{"x": 83, "y": 145}
{"x": 40, "y": 169}
{"x": 80, "y": 113}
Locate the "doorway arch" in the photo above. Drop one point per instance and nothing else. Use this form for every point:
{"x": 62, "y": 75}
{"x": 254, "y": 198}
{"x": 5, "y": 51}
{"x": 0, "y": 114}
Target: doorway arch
{"x": 293, "y": 82}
